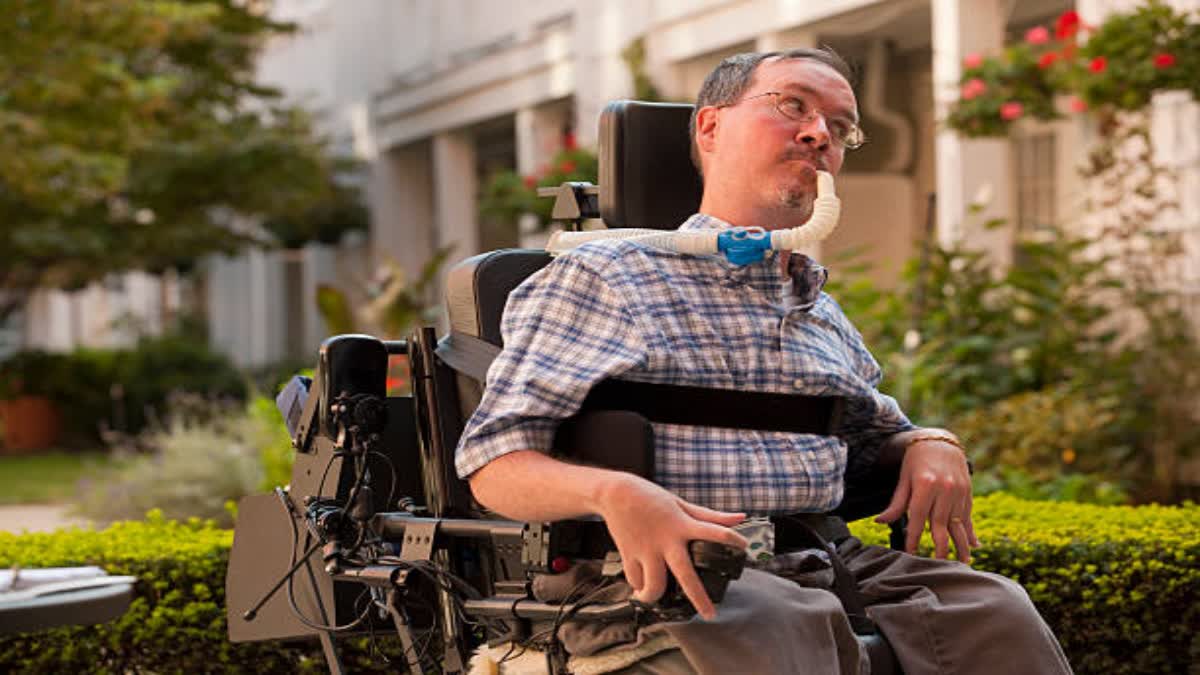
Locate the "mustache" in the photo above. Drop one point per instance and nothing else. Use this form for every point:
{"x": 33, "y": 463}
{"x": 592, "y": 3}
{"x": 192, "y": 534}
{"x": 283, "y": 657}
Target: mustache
{"x": 816, "y": 160}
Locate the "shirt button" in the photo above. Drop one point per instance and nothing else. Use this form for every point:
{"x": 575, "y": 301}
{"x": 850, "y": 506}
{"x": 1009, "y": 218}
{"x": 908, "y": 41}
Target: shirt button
{"x": 799, "y": 384}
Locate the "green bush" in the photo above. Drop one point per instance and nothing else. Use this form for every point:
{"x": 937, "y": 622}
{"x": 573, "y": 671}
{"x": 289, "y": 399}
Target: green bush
{"x": 1026, "y": 361}
{"x": 1119, "y": 585}
{"x": 122, "y": 389}
{"x": 176, "y": 623}
{"x": 200, "y": 458}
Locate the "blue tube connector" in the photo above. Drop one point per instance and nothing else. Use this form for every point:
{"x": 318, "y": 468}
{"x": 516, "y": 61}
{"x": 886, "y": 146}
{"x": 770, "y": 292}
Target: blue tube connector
{"x": 744, "y": 245}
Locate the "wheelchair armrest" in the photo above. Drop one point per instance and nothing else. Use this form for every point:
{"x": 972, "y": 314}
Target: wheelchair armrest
{"x": 613, "y": 439}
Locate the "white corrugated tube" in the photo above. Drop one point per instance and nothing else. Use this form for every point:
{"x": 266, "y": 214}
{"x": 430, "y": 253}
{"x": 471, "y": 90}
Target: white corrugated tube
{"x": 734, "y": 242}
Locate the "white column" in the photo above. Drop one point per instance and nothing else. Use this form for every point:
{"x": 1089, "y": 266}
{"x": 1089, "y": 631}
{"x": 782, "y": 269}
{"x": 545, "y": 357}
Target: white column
{"x": 454, "y": 186}
{"x": 602, "y": 31}
{"x": 967, "y": 168}
{"x": 400, "y": 195}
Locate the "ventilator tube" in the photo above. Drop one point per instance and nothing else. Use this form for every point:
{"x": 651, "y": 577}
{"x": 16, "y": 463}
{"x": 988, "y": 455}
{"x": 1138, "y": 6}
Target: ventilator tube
{"x": 741, "y": 245}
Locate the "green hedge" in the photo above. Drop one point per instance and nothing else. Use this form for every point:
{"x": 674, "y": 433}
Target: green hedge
{"x": 1119, "y": 585}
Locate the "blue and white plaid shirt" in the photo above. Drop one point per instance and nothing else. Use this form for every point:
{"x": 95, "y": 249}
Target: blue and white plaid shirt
{"x": 622, "y": 309}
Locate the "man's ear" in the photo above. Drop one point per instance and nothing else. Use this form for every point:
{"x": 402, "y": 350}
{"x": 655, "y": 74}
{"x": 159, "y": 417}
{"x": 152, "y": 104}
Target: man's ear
{"x": 706, "y": 128}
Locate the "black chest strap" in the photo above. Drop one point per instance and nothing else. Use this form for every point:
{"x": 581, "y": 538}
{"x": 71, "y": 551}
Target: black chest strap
{"x": 675, "y": 404}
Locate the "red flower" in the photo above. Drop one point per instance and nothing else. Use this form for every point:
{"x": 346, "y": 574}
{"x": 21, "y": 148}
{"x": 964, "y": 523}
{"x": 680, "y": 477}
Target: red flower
{"x": 1067, "y": 25}
{"x": 569, "y": 142}
{"x": 567, "y": 166}
{"x": 1098, "y": 64}
{"x": 1078, "y": 105}
{"x": 530, "y": 182}
{"x": 1164, "y": 60}
{"x": 973, "y": 60}
{"x": 1047, "y": 60}
{"x": 973, "y": 88}
{"x": 1038, "y": 35}
{"x": 1011, "y": 111}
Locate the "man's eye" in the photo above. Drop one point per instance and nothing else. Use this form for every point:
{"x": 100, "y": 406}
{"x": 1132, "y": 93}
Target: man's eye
{"x": 840, "y": 128}
{"x": 793, "y": 107}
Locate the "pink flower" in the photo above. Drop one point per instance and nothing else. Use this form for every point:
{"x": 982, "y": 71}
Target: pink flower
{"x": 1011, "y": 111}
{"x": 569, "y": 142}
{"x": 1164, "y": 60}
{"x": 973, "y": 88}
{"x": 1078, "y": 105}
{"x": 1047, "y": 60}
{"x": 530, "y": 182}
{"x": 1038, "y": 35}
{"x": 1098, "y": 64}
{"x": 973, "y": 60}
{"x": 567, "y": 166}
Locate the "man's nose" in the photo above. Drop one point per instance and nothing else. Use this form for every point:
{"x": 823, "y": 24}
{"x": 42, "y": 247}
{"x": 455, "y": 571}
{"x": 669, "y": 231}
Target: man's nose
{"x": 814, "y": 132}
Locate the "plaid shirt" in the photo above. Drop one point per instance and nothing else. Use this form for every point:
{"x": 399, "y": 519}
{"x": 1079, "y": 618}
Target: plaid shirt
{"x": 622, "y": 309}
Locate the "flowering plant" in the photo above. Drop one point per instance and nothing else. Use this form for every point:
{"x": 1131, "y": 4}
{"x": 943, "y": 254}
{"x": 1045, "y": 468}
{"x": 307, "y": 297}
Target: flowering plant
{"x": 507, "y": 195}
{"x": 1118, "y": 65}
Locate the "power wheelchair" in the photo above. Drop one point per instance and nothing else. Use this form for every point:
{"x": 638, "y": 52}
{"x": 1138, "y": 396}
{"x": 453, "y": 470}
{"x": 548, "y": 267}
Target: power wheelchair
{"x": 375, "y": 493}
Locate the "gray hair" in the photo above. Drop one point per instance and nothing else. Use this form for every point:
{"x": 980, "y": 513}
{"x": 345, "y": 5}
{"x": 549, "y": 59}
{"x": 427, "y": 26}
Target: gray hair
{"x": 733, "y": 76}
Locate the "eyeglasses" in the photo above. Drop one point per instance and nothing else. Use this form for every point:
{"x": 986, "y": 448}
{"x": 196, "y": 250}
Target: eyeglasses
{"x": 844, "y": 131}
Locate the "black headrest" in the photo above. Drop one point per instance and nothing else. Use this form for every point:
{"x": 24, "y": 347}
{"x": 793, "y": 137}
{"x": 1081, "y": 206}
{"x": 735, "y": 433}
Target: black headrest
{"x": 647, "y": 178}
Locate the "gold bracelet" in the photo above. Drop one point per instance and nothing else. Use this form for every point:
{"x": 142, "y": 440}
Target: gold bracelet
{"x": 945, "y": 438}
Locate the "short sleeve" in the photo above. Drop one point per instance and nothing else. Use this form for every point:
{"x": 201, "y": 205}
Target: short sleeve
{"x": 565, "y": 329}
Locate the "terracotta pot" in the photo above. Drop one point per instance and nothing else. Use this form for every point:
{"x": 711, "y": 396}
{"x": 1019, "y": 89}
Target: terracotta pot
{"x": 29, "y": 423}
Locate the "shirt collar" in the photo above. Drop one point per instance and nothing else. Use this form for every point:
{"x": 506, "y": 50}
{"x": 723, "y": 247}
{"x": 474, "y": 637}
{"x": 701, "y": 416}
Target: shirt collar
{"x": 808, "y": 277}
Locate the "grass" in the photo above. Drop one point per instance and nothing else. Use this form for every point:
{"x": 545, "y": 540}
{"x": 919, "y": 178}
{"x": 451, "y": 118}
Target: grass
{"x": 47, "y": 477}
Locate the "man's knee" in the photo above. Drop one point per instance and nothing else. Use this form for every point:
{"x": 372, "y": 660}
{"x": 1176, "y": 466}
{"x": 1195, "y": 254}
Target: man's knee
{"x": 1005, "y": 597}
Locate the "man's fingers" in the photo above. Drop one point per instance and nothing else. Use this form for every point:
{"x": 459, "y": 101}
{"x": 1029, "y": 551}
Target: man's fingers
{"x": 681, "y": 566}
{"x": 962, "y": 546}
{"x": 918, "y": 511}
{"x": 970, "y": 523}
{"x": 654, "y": 581}
{"x": 718, "y": 534}
{"x": 633, "y": 572}
{"x": 939, "y": 521}
{"x": 711, "y": 515}
{"x": 896, "y": 508}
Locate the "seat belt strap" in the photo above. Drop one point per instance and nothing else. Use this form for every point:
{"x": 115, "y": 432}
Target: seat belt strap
{"x": 675, "y": 404}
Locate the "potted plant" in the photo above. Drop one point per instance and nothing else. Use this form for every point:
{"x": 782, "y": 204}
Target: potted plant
{"x": 31, "y": 383}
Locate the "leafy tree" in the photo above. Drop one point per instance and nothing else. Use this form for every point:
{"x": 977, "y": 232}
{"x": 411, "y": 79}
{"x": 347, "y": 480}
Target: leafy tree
{"x": 133, "y": 136}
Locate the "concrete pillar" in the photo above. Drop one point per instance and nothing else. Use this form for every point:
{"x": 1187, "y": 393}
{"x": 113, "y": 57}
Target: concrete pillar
{"x": 454, "y": 187}
{"x": 600, "y": 73}
{"x": 400, "y": 195}
{"x": 967, "y": 169}
{"x": 538, "y": 136}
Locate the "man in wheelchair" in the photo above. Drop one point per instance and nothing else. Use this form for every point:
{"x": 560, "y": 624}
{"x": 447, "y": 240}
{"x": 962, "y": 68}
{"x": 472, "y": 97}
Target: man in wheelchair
{"x": 763, "y": 127}
{"x": 653, "y": 411}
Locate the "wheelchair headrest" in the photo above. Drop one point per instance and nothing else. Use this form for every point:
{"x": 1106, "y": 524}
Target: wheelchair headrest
{"x": 647, "y": 178}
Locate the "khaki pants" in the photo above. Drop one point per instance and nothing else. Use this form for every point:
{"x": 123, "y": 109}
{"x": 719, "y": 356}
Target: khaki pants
{"x": 940, "y": 617}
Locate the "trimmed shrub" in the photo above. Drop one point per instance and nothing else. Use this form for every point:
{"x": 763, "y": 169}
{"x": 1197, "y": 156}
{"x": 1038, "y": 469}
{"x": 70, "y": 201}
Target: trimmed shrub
{"x": 1120, "y": 586}
{"x": 176, "y": 622}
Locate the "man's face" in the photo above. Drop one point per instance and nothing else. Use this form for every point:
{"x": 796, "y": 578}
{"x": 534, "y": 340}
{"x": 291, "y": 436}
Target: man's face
{"x": 766, "y": 160}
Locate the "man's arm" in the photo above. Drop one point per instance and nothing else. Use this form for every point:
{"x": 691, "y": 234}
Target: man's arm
{"x": 650, "y": 526}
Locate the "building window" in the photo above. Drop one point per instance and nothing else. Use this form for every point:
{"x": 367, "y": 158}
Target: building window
{"x": 1035, "y": 161}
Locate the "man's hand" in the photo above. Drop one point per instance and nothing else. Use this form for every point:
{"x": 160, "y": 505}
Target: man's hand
{"x": 652, "y": 527}
{"x": 935, "y": 487}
